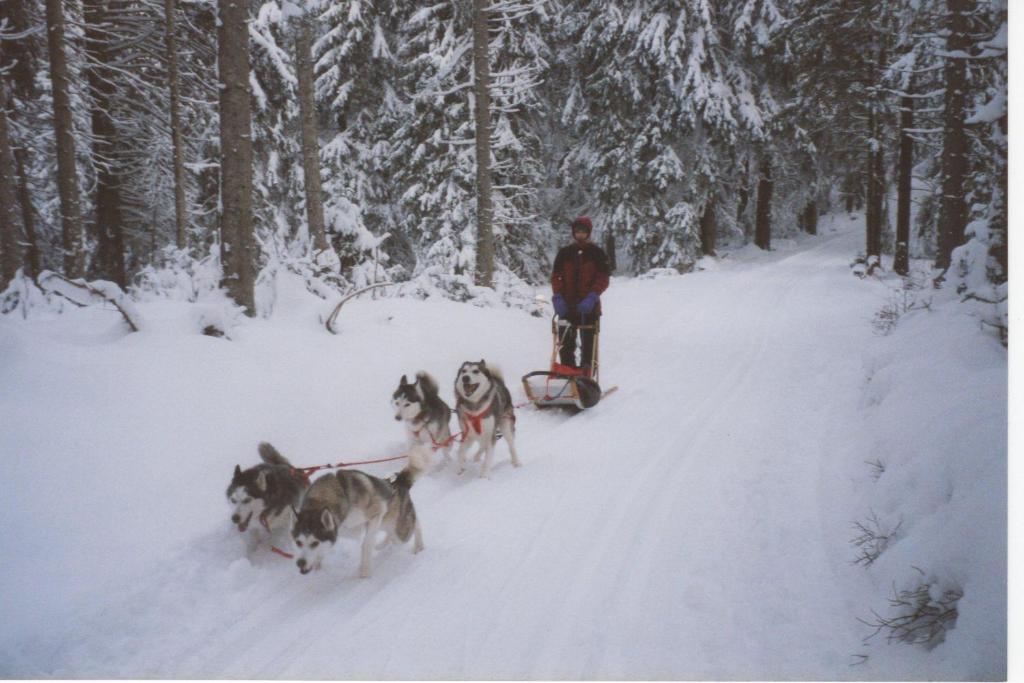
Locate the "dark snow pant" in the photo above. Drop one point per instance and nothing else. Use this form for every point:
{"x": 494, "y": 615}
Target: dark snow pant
{"x": 568, "y": 351}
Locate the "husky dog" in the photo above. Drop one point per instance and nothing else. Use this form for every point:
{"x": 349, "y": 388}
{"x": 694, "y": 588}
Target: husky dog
{"x": 268, "y": 492}
{"x": 425, "y": 416}
{"x": 484, "y": 407}
{"x": 350, "y": 502}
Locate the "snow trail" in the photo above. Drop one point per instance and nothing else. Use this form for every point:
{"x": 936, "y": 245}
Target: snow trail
{"x": 680, "y": 529}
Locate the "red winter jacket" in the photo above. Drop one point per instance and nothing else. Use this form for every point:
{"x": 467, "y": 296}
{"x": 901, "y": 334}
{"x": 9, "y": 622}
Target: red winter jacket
{"x": 578, "y": 271}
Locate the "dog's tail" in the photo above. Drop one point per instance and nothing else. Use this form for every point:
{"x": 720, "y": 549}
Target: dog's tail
{"x": 427, "y": 383}
{"x": 495, "y": 372}
{"x": 270, "y": 455}
{"x": 406, "y": 478}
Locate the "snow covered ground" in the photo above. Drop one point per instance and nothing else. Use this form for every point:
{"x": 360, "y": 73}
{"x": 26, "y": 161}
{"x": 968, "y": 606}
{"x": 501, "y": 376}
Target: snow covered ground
{"x": 697, "y": 524}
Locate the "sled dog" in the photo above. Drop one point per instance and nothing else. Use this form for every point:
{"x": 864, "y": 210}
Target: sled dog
{"x": 484, "y": 407}
{"x": 349, "y": 502}
{"x": 267, "y": 492}
{"x": 425, "y": 416}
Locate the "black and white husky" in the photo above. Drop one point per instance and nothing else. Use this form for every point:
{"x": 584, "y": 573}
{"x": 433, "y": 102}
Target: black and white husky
{"x": 425, "y": 415}
{"x": 267, "y": 492}
{"x": 353, "y": 503}
{"x": 484, "y": 407}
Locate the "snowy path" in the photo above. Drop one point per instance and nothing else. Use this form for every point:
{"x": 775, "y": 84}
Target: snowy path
{"x": 681, "y": 529}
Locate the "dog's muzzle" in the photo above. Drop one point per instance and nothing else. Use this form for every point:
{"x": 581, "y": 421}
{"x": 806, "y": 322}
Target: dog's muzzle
{"x": 304, "y": 568}
{"x": 468, "y": 387}
{"x": 242, "y": 524}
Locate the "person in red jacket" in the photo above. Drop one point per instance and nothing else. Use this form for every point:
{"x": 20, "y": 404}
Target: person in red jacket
{"x": 578, "y": 278}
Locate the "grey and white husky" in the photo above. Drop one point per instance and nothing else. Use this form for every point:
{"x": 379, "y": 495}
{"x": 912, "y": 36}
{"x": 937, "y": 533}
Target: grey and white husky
{"x": 484, "y": 407}
{"x": 425, "y": 415}
{"x": 353, "y": 503}
{"x": 267, "y": 492}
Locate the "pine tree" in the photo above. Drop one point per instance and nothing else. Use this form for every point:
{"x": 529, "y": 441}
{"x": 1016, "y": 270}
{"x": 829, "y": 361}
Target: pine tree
{"x": 67, "y": 172}
{"x": 310, "y": 136}
{"x": 100, "y": 34}
{"x": 432, "y": 157}
{"x": 176, "y": 125}
{"x": 10, "y": 225}
{"x": 357, "y": 87}
{"x": 658, "y": 103}
{"x": 482, "y": 121}
{"x": 236, "y": 152}
{"x": 953, "y": 203}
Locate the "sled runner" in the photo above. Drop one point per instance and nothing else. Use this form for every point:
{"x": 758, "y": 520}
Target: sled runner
{"x": 563, "y": 385}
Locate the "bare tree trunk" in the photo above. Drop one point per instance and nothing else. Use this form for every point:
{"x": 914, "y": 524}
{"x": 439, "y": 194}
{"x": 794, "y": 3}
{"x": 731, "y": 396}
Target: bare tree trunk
{"x": 876, "y": 198}
{"x": 484, "y": 201}
{"x": 707, "y": 228}
{"x": 744, "y": 197}
{"x": 177, "y": 147}
{"x": 953, "y": 204}
{"x": 236, "y": 152}
{"x": 875, "y": 184}
{"x": 67, "y": 174}
{"x": 109, "y": 228}
{"x": 809, "y": 217}
{"x": 901, "y": 262}
{"x": 763, "y": 224}
{"x": 609, "y": 249}
{"x": 10, "y": 249}
{"x": 28, "y": 221}
{"x": 876, "y": 166}
{"x": 310, "y": 142}
{"x": 870, "y": 218}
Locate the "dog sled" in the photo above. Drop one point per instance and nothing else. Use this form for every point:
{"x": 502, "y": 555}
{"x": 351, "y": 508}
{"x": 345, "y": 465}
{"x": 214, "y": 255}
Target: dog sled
{"x": 563, "y": 385}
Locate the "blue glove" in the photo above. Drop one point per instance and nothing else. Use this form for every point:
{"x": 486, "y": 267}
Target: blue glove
{"x": 561, "y": 308}
{"x": 589, "y": 303}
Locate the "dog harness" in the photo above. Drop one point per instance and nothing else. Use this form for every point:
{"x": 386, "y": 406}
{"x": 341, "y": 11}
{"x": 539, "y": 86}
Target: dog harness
{"x": 476, "y": 421}
{"x": 437, "y": 444}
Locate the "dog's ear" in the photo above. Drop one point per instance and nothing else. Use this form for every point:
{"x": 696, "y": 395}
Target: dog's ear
{"x": 483, "y": 367}
{"x": 327, "y": 519}
{"x": 404, "y": 382}
{"x": 238, "y": 473}
{"x": 261, "y": 480}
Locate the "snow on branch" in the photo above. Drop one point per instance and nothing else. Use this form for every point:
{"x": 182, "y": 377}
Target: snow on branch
{"x": 85, "y": 293}
{"x": 337, "y": 309}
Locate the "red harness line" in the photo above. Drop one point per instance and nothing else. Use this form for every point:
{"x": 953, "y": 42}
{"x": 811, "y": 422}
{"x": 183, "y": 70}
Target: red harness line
{"x": 440, "y": 444}
{"x": 306, "y": 471}
{"x": 476, "y": 421}
{"x": 282, "y": 553}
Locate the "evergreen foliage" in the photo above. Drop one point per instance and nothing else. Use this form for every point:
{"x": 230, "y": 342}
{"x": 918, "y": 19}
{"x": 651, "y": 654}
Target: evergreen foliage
{"x": 656, "y": 118}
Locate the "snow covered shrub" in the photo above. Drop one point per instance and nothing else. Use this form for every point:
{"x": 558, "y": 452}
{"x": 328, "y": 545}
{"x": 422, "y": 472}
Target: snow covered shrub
{"x": 980, "y": 278}
{"x": 865, "y": 266}
{"x": 907, "y": 296}
{"x": 658, "y": 273}
{"x": 509, "y": 290}
{"x": 873, "y": 537}
{"x": 921, "y": 615}
{"x": 22, "y": 294}
{"x": 177, "y": 275}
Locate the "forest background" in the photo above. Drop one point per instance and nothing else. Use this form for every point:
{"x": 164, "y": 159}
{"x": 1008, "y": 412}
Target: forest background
{"x": 142, "y": 140}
